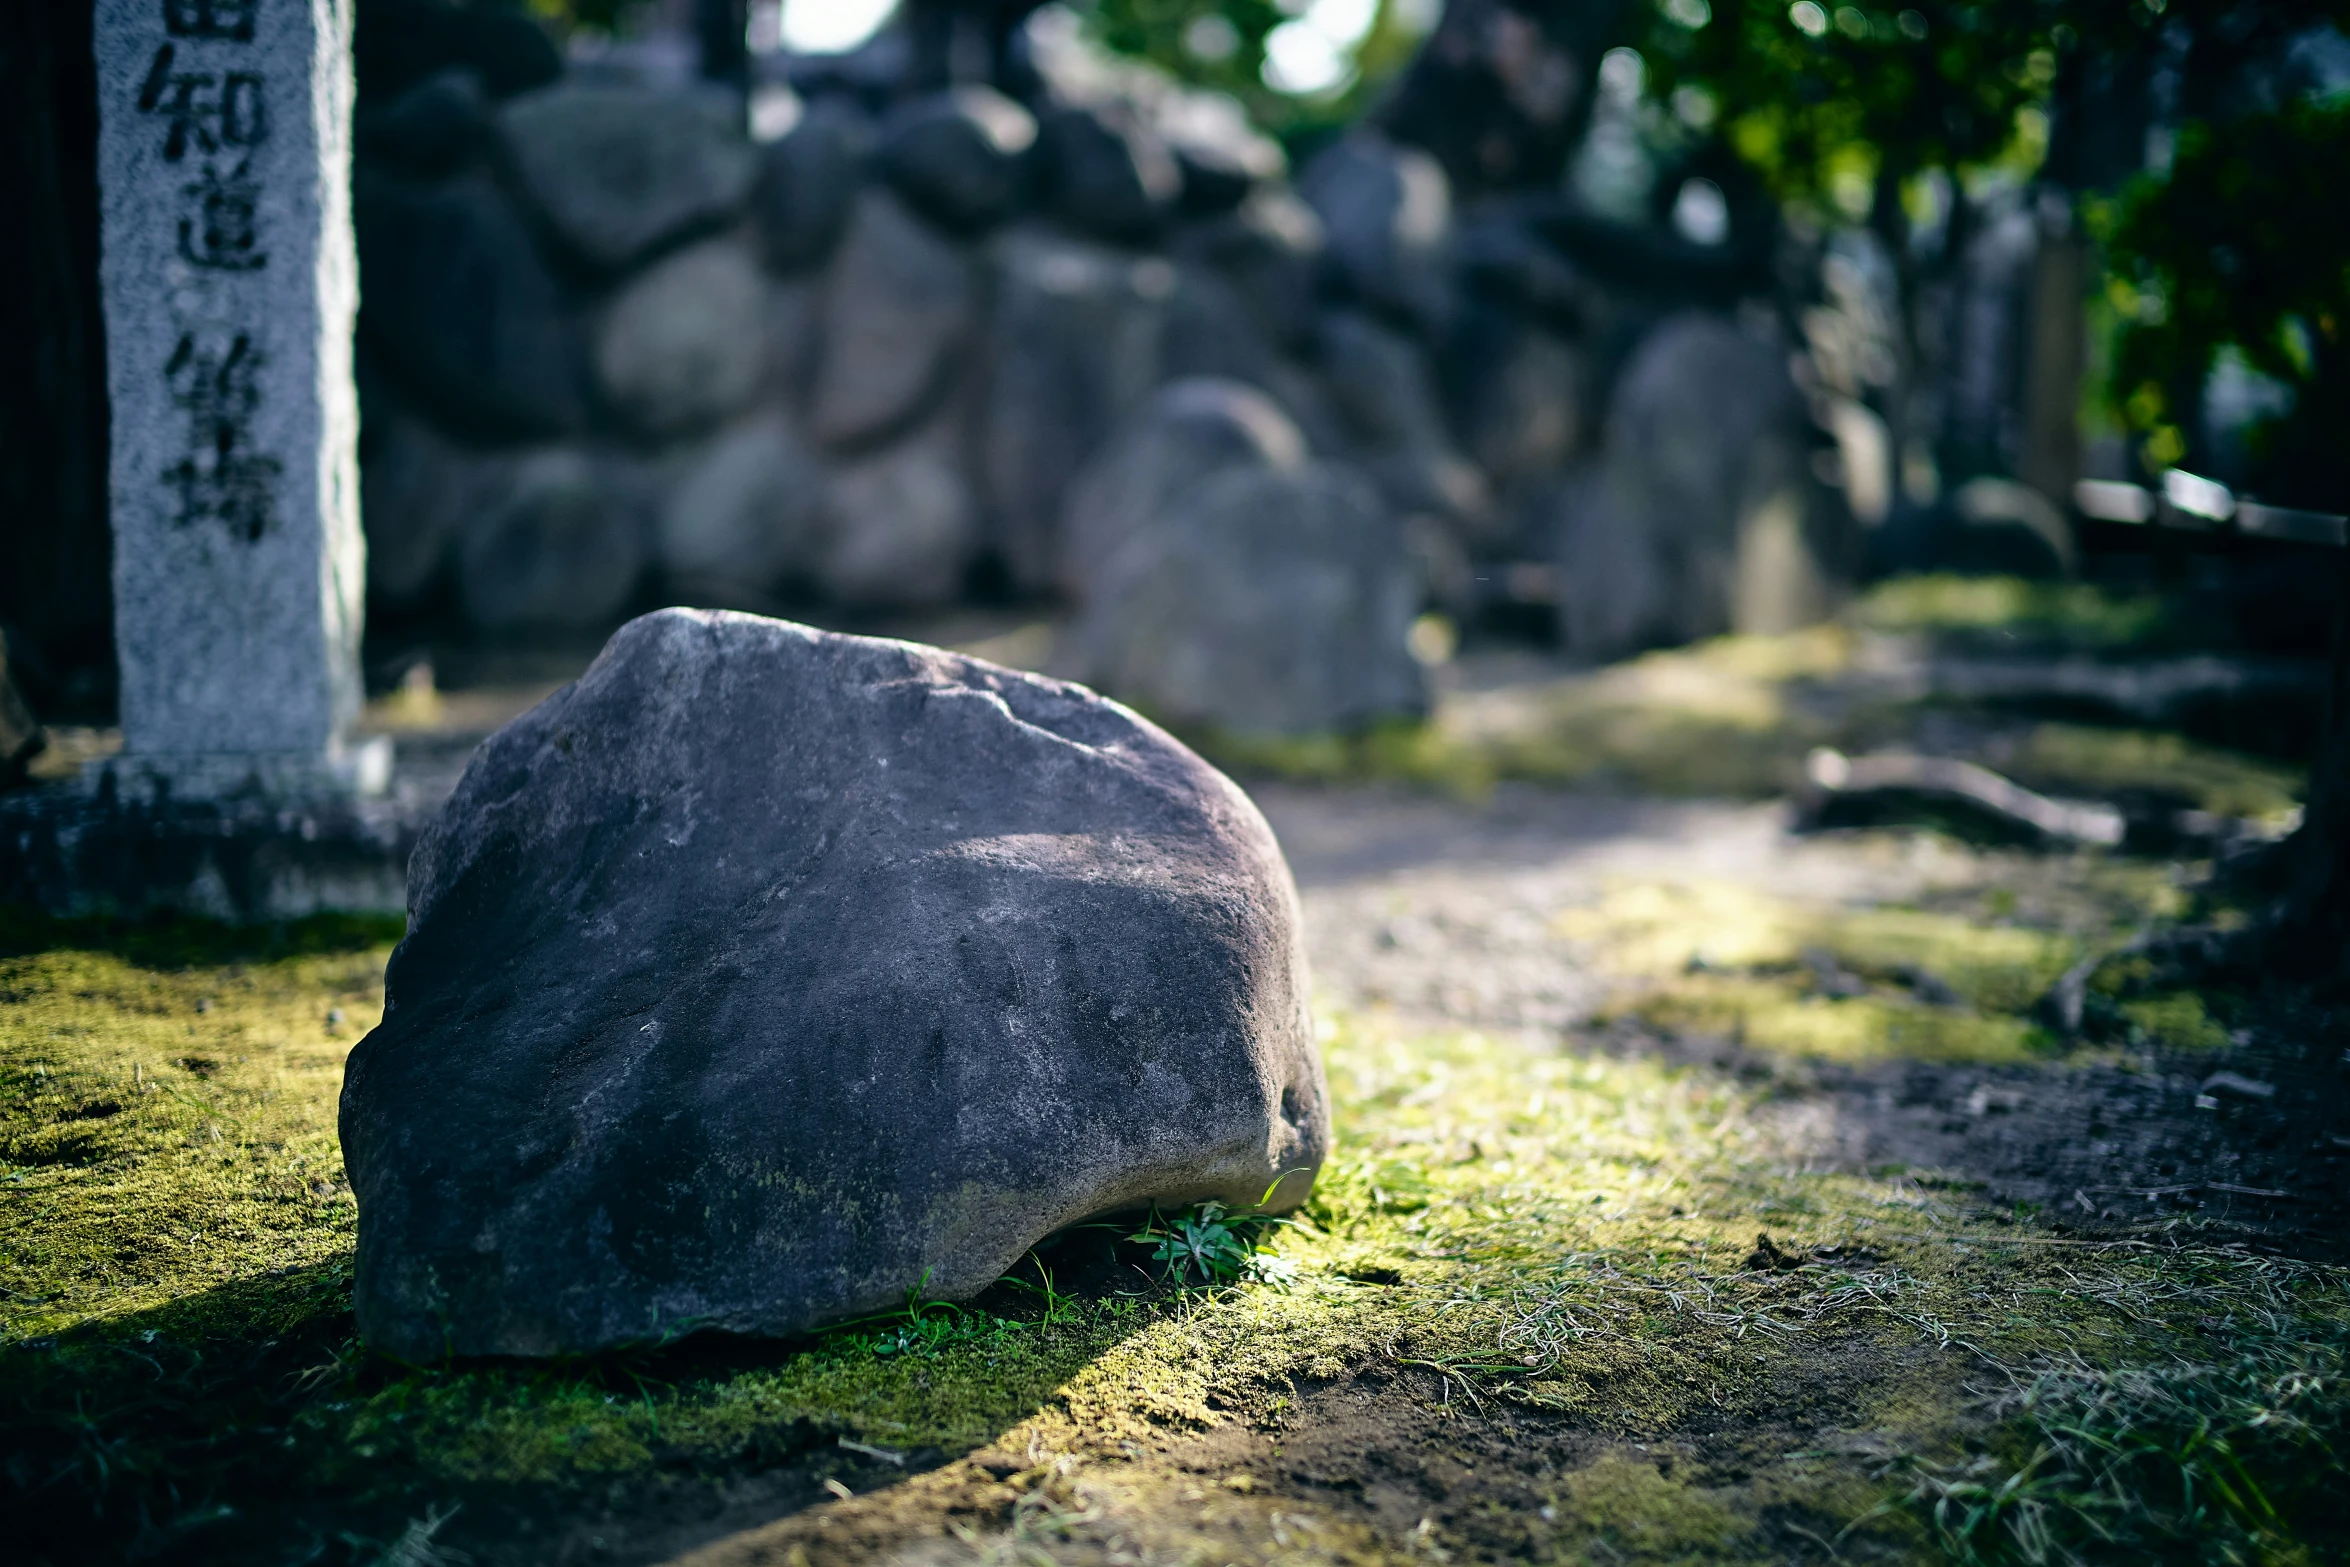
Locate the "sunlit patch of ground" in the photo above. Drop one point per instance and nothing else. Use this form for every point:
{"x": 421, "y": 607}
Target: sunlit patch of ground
{"x": 1530, "y": 1314}
{"x": 2070, "y": 689}
{"x": 1706, "y": 1191}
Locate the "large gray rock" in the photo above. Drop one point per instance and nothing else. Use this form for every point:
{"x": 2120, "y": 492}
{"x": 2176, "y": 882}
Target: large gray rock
{"x": 418, "y": 491}
{"x": 460, "y": 308}
{"x": 899, "y": 303}
{"x": 1265, "y": 601}
{"x": 742, "y": 514}
{"x": 959, "y": 157}
{"x": 617, "y": 171}
{"x": 681, "y": 347}
{"x": 1700, "y": 515}
{"x": 901, "y": 526}
{"x": 560, "y": 546}
{"x": 1189, "y": 430}
{"x": 1387, "y": 212}
{"x": 764, "y": 975}
{"x": 808, "y": 182}
{"x": 1075, "y": 346}
{"x": 1104, "y": 172}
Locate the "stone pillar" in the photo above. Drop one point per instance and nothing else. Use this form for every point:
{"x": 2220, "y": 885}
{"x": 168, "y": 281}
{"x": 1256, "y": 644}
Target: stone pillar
{"x": 230, "y": 282}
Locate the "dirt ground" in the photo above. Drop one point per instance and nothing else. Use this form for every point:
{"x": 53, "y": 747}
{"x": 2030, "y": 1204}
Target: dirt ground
{"x": 1447, "y": 916}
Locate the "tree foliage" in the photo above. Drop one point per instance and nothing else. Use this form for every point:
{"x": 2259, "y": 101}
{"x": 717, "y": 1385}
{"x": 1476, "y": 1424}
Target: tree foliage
{"x": 2245, "y": 244}
{"x": 1827, "y": 104}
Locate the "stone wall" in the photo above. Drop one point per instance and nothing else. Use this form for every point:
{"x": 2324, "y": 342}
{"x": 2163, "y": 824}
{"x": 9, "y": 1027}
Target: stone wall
{"x": 616, "y": 350}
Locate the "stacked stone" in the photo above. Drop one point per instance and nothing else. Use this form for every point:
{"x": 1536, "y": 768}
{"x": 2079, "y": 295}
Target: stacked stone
{"x": 617, "y": 352}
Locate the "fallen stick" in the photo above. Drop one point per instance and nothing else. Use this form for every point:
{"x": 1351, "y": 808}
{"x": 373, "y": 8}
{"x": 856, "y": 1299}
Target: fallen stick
{"x": 1832, "y": 773}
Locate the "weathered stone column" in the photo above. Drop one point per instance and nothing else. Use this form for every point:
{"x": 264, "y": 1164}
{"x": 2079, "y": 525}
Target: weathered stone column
{"x": 230, "y": 283}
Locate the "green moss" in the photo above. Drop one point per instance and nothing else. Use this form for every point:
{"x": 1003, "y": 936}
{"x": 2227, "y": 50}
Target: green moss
{"x": 2177, "y": 1021}
{"x": 1500, "y": 1226}
{"x": 1622, "y": 1508}
{"x": 2078, "y": 614}
{"x": 1776, "y": 1014}
{"x": 1398, "y": 752}
{"x": 1727, "y": 961}
{"x": 2078, "y": 759}
{"x": 167, "y": 1125}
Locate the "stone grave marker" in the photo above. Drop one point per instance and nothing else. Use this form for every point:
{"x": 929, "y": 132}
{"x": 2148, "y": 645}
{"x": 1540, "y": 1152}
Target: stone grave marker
{"x": 230, "y": 282}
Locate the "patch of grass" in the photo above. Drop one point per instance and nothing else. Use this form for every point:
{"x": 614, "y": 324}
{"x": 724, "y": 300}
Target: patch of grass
{"x": 1711, "y": 719}
{"x": 1207, "y": 1243}
{"x": 1501, "y": 1227}
{"x": 167, "y": 1117}
{"x": 1397, "y": 751}
{"x": 1725, "y": 961}
{"x": 2081, "y": 759}
{"x": 2233, "y": 1456}
{"x": 1774, "y": 1014}
{"x": 1734, "y": 716}
{"x": 2177, "y": 1021}
{"x": 2070, "y": 614}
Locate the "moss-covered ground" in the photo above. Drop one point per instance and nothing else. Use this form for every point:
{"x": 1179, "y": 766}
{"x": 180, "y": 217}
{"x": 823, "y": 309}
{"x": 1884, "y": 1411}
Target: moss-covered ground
{"x": 1621, "y": 1295}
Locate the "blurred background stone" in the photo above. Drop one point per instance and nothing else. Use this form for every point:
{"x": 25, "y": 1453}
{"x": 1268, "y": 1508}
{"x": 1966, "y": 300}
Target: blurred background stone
{"x": 899, "y": 303}
{"x": 1703, "y": 483}
{"x": 559, "y": 547}
{"x": 1189, "y": 430}
{"x": 617, "y": 171}
{"x": 960, "y": 158}
{"x": 681, "y": 347}
{"x": 1265, "y": 600}
{"x": 902, "y": 525}
{"x": 808, "y": 181}
{"x": 1073, "y": 346}
{"x": 743, "y": 514}
{"x": 459, "y": 305}
{"x": 1103, "y": 172}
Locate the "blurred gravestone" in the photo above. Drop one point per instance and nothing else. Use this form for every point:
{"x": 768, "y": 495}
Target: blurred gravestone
{"x": 1700, "y": 514}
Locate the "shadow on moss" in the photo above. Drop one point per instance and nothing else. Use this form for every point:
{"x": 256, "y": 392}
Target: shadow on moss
{"x": 181, "y": 941}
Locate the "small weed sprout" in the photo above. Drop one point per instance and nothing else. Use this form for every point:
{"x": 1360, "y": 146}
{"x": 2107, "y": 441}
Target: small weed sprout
{"x": 918, "y": 1326}
{"x": 1209, "y": 1243}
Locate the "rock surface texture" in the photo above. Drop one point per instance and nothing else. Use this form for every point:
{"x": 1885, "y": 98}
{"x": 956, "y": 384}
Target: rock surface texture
{"x": 766, "y": 974}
